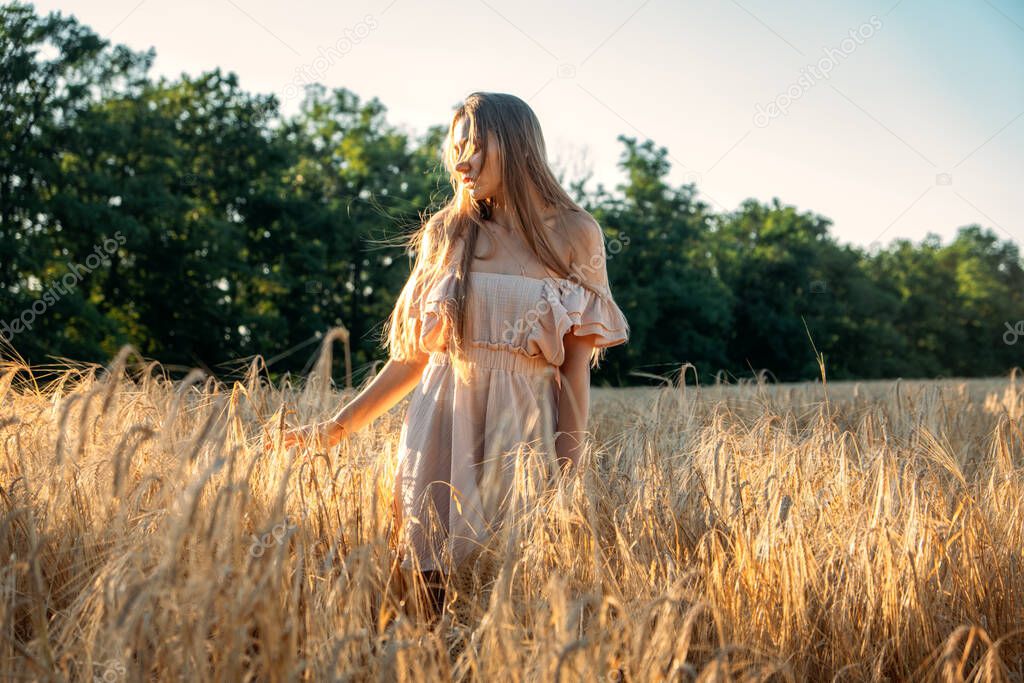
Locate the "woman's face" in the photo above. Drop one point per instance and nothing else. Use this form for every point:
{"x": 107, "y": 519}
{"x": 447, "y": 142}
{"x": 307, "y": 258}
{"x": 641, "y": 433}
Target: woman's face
{"x": 480, "y": 173}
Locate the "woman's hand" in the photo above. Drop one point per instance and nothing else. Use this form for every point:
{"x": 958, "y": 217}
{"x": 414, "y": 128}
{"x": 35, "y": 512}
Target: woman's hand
{"x": 390, "y": 385}
{"x": 321, "y": 436}
{"x": 302, "y": 436}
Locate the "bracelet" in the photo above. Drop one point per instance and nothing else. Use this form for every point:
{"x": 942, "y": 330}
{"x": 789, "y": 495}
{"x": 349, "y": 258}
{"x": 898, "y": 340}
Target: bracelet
{"x": 342, "y": 431}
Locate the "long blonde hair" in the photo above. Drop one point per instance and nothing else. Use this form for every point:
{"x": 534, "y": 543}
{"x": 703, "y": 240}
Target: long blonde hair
{"x": 446, "y": 241}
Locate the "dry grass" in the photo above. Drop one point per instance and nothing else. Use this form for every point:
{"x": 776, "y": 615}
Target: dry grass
{"x": 854, "y": 532}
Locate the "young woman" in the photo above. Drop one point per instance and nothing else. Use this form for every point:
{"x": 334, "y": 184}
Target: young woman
{"x": 507, "y": 308}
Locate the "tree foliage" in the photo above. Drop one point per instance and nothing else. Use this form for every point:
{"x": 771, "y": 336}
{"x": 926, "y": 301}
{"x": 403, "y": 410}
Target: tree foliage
{"x": 193, "y": 220}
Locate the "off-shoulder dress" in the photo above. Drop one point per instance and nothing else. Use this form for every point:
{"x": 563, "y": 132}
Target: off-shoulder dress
{"x": 453, "y": 475}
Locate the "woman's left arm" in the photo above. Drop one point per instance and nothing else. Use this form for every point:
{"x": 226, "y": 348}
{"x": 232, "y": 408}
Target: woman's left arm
{"x": 574, "y": 398}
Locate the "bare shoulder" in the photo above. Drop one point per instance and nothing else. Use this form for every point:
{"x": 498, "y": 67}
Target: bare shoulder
{"x": 583, "y": 235}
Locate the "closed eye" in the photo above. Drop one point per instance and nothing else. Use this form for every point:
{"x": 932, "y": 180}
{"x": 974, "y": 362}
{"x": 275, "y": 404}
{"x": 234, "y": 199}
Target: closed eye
{"x": 460, "y": 147}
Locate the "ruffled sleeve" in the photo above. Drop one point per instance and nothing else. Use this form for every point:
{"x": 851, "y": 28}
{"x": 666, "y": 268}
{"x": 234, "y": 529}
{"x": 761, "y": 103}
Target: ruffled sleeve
{"x": 594, "y": 313}
{"x": 426, "y": 310}
{"x": 583, "y": 311}
{"x": 570, "y": 307}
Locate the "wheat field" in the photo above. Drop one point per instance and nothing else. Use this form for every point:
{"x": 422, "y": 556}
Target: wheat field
{"x": 841, "y": 531}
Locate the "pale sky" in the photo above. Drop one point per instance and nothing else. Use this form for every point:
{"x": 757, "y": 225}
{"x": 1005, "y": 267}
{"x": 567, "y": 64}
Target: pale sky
{"x": 917, "y": 126}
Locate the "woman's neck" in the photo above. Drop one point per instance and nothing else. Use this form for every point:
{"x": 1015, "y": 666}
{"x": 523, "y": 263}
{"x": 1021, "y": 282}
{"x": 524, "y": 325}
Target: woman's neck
{"x": 502, "y": 214}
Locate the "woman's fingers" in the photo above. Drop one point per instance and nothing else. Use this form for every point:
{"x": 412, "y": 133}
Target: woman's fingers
{"x": 299, "y": 436}
{"x": 295, "y": 436}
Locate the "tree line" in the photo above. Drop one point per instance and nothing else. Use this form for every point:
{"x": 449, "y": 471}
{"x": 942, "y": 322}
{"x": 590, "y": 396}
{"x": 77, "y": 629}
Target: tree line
{"x": 197, "y": 222}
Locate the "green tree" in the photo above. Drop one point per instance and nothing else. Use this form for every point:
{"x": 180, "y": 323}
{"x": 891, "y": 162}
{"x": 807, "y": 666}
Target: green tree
{"x": 663, "y": 276}
{"x": 357, "y": 184}
{"x": 54, "y": 73}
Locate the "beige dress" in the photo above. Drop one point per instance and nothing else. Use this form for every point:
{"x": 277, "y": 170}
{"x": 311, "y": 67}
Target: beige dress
{"x": 458, "y": 440}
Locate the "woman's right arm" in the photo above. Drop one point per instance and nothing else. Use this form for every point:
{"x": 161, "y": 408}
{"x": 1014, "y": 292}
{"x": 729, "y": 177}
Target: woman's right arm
{"x": 391, "y": 385}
